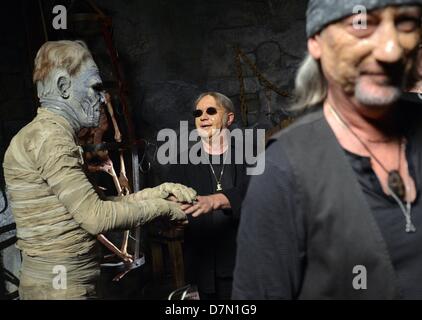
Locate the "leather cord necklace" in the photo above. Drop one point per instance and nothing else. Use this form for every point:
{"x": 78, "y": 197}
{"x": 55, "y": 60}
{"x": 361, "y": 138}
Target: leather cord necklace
{"x": 396, "y": 185}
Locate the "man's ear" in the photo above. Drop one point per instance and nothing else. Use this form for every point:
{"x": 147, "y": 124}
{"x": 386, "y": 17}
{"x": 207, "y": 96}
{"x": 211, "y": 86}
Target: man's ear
{"x": 314, "y": 47}
{"x": 63, "y": 84}
{"x": 230, "y": 118}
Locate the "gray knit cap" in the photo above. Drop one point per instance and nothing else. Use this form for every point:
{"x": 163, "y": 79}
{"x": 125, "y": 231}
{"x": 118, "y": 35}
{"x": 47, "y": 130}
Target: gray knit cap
{"x": 320, "y": 13}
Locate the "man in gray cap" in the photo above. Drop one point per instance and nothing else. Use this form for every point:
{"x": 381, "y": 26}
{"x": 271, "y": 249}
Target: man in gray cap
{"x": 336, "y": 214}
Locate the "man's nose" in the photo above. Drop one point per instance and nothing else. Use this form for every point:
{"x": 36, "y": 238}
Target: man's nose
{"x": 204, "y": 116}
{"x": 388, "y": 48}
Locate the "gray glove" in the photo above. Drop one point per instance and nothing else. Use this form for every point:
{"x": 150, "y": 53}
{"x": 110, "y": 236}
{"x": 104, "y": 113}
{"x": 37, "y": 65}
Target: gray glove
{"x": 163, "y": 191}
{"x": 153, "y": 208}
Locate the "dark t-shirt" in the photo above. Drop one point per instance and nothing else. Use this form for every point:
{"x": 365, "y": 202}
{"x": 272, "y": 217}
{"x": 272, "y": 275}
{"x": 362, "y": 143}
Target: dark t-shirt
{"x": 404, "y": 248}
{"x": 271, "y": 257}
{"x": 210, "y": 239}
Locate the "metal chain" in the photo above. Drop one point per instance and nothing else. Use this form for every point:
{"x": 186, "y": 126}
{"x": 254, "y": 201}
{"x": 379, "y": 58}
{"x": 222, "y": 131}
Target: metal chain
{"x": 349, "y": 128}
{"x": 268, "y": 85}
{"x": 243, "y": 105}
{"x": 262, "y": 79}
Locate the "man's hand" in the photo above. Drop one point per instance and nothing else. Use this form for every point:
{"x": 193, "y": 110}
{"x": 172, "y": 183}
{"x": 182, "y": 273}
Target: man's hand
{"x": 207, "y": 204}
{"x": 183, "y": 206}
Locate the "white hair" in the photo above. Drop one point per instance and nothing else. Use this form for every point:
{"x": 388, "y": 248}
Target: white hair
{"x": 310, "y": 85}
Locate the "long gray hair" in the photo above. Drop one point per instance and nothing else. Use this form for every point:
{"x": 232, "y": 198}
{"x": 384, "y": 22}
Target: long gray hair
{"x": 310, "y": 86}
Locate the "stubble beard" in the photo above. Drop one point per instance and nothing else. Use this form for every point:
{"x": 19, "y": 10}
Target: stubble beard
{"x": 381, "y": 96}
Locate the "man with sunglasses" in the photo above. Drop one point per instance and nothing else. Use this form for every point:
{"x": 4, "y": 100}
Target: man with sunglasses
{"x": 337, "y": 214}
{"x": 210, "y": 235}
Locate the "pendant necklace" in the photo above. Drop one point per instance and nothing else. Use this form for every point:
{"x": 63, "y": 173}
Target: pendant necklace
{"x": 395, "y": 183}
{"x": 218, "y": 181}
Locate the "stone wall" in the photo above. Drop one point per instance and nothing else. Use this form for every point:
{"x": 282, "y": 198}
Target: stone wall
{"x": 170, "y": 50}
{"x": 173, "y": 50}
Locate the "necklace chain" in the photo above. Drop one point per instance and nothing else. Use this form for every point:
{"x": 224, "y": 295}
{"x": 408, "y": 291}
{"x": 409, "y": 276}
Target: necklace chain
{"x": 410, "y": 227}
{"x": 342, "y": 121}
{"x": 219, "y": 186}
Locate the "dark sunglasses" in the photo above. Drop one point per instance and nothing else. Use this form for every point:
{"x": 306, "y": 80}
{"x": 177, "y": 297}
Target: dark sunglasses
{"x": 210, "y": 111}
